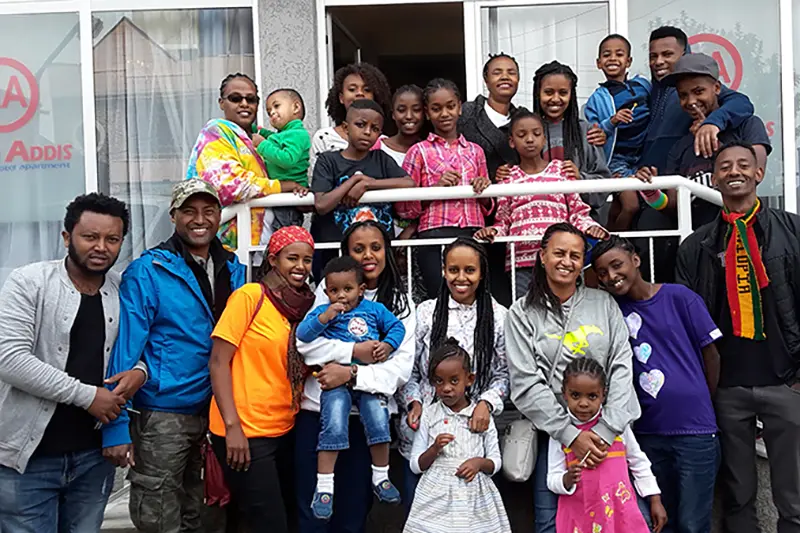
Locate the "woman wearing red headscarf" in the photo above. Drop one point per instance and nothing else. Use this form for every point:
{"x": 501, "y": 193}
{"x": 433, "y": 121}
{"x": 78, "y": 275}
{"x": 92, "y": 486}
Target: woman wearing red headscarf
{"x": 257, "y": 378}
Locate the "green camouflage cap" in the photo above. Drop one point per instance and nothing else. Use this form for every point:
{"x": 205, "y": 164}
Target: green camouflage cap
{"x": 185, "y": 189}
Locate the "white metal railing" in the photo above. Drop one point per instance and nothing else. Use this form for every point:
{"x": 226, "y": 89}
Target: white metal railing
{"x": 685, "y": 187}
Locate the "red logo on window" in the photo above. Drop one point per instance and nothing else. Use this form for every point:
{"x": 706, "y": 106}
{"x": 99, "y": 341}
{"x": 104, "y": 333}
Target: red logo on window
{"x": 731, "y": 78}
{"x": 22, "y": 101}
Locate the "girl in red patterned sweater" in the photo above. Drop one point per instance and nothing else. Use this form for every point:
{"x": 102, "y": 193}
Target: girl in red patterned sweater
{"x": 532, "y": 215}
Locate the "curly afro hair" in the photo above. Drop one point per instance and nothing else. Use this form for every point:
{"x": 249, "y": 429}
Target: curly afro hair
{"x": 373, "y": 78}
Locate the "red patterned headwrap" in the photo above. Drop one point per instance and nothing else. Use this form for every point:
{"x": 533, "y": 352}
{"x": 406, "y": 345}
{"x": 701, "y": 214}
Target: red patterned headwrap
{"x": 286, "y": 236}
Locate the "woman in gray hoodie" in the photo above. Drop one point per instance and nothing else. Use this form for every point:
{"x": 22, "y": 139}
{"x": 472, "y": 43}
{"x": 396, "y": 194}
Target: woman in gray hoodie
{"x": 558, "y": 321}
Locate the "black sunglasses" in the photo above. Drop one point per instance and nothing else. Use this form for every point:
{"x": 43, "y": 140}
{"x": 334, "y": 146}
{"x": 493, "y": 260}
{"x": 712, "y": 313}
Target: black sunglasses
{"x": 235, "y": 98}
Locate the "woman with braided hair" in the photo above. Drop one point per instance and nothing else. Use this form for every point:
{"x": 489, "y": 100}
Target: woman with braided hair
{"x": 559, "y": 321}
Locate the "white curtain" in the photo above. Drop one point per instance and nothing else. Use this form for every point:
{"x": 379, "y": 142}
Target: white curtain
{"x": 157, "y": 77}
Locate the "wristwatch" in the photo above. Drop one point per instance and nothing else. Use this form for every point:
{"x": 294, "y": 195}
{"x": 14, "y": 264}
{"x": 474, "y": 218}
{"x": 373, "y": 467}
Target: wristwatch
{"x": 353, "y": 375}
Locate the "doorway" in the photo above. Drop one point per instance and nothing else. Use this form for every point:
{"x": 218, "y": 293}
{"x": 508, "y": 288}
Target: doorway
{"x": 409, "y": 43}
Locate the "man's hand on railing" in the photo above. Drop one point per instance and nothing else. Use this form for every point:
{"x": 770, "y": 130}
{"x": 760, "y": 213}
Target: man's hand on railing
{"x": 596, "y": 136}
{"x": 480, "y": 184}
{"x": 450, "y": 178}
{"x": 486, "y": 234}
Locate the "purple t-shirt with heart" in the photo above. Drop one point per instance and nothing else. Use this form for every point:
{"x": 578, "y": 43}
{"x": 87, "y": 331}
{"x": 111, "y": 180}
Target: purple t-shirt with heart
{"x": 667, "y": 334}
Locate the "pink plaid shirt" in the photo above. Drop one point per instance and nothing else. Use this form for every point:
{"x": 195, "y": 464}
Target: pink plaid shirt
{"x": 425, "y": 162}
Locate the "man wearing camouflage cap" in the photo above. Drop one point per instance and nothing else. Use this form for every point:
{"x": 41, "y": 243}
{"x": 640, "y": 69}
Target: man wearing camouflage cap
{"x": 170, "y": 300}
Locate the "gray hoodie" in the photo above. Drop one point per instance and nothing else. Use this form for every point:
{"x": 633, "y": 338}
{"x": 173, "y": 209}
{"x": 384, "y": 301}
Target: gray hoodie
{"x": 596, "y": 329}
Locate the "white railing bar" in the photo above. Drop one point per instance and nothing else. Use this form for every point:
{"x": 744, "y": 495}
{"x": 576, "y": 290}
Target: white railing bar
{"x": 652, "y": 254}
{"x": 513, "y": 248}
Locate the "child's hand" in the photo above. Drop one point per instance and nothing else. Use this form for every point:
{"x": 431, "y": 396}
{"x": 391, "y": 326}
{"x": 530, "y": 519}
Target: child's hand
{"x": 469, "y": 469}
{"x": 331, "y": 312}
{"x": 257, "y": 139}
{"x": 503, "y": 173}
{"x": 646, "y": 174}
{"x": 382, "y": 351}
{"x": 623, "y": 116}
{"x": 357, "y": 191}
{"x": 486, "y": 234}
{"x": 449, "y": 179}
{"x": 480, "y": 184}
{"x": 441, "y": 441}
{"x": 596, "y": 136}
{"x": 657, "y": 513}
{"x": 299, "y": 190}
{"x": 570, "y": 170}
{"x": 573, "y": 476}
{"x": 597, "y": 232}
{"x": 479, "y": 421}
{"x": 414, "y": 413}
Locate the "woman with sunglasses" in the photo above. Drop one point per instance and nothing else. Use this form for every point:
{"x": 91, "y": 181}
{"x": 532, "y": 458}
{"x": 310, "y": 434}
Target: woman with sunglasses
{"x": 225, "y": 157}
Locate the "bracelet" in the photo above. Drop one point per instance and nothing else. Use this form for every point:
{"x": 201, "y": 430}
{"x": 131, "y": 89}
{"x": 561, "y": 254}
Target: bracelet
{"x": 659, "y": 203}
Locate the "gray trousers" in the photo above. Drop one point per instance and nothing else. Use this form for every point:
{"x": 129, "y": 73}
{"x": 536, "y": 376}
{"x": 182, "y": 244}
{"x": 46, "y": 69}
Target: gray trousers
{"x": 778, "y": 408}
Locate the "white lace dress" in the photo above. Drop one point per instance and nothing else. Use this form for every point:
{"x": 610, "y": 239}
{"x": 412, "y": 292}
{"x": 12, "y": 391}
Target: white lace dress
{"x": 444, "y": 502}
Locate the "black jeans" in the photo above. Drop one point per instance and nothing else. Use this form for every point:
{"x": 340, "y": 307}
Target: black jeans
{"x": 261, "y": 492}
{"x": 429, "y": 258}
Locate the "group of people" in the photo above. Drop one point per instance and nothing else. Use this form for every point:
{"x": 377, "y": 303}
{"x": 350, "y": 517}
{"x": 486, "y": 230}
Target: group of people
{"x": 637, "y": 391}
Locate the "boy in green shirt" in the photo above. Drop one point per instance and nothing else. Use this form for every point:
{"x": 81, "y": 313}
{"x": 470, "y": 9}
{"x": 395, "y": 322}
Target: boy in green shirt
{"x": 285, "y": 151}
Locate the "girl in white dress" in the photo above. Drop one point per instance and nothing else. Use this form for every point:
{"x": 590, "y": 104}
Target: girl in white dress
{"x": 456, "y": 493}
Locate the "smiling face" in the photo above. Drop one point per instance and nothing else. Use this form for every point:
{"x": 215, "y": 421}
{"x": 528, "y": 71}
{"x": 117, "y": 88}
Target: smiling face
{"x": 344, "y": 288}
{"x": 354, "y": 88}
{"x": 527, "y": 138}
{"x": 618, "y": 270}
{"x": 363, "y": 127}
{"x": 462, "y": 272}
{"x": 554, "y": 95}
{"x": 584, "y": 395}
{"x": 664, "y": 54}
{"x": 698, "y": 95}
{"x": 293, "y": 262}
{"x": 563, "y": 259}
{"x": 615, "y": 59}
{"x": 366, "y": 246}
{"x": 736, "y": 173}
{"x": 451, "y": 381}
{"x": 443, "y": 110}
{"x": 502, "y": 79}
{"x": 408, "y": 113}
{"x": 197, "y": 222}
{"x": 94, "y": 243}
{"x": 282, "y": 109}
{"x": 239, "y": 103}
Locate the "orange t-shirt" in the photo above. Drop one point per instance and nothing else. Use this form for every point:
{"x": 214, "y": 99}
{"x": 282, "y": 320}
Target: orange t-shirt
{"x": 261, "y": 389}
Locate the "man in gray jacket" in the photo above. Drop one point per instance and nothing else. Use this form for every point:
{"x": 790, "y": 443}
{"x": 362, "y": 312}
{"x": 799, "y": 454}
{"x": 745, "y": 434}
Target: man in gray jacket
{"x": 58, "y": 323}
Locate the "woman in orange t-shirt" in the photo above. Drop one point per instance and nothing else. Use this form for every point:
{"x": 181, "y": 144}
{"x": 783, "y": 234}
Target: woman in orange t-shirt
{"x": 257, "y": 378}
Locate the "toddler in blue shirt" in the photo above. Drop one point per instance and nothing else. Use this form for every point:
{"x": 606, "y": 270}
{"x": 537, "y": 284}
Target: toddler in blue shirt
{"x": 351, "y": 318}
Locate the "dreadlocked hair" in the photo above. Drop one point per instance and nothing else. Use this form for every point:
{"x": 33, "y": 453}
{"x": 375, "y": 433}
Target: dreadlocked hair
{"x": 573, "y": 137}
{"x": 612, "y": 243}
{"x": 585, "y": 366}
{"x": 373, "y": 78}
{"x": 389, "y": 293}
{"x": 436, "y": 84}
{"x": 492, "y": 57}
{"x": 231, "y": 77}
{"x": 484, "y": 327}
{"x": 540, "y": 295}
{"x": 449, "y": 349}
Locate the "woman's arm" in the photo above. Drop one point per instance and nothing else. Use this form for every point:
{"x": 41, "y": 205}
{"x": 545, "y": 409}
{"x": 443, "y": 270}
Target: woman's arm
{"x": 222, "y": 353}
{"x": 411, "y": 390}
{"x": 497, "y": 391}
{"x": 386, "y": 377}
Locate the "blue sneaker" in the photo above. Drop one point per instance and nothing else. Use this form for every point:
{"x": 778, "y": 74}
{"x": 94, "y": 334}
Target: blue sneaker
{"x": 386, "y": 492}
{"x": 322, "y": 505}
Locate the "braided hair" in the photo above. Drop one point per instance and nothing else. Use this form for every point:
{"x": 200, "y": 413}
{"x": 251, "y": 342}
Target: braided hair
{"x": 585, "y": 366}
{"x": 540, "y": 295}
{"x": 439, "y": 83}
{"x": 231, "y": 77}
{"x": 390, "y": 293}
{"x": 492, "y": 57}
{"x": 449, "y": 349}
{"x": 373, "y": 78}
{"x": 484, "y": 327}
{"x": 573, "y": 137}
{"x": 612, "y": 243}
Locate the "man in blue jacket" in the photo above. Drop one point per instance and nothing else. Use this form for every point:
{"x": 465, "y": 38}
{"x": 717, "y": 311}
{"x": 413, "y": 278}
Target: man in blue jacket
{"x": 170, "y": 299}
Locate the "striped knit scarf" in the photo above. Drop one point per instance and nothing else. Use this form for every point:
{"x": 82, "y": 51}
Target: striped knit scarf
{"x": 745, "y": 274}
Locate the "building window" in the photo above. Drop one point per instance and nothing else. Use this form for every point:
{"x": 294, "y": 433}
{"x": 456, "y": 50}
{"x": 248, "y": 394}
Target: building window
{"x": 157, "y": 77}
{"x": 744, "y": 38}
{"x": 41, "y": 134}
{"x": 536, "y": 35}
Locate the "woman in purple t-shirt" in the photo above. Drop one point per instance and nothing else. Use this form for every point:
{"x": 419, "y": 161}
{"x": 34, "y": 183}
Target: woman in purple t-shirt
{"x": 676, "y": 370}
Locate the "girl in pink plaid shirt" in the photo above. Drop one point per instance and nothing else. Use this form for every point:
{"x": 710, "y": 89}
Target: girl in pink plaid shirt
{"x": 532, "y": 215}
{"x": 444, "y": 159}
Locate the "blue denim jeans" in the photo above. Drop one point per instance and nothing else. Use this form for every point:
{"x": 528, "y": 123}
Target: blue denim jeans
{"x": 59, "y": 494}
{"x": 623, "y": 164}
{"x": 335, "y": 405}
{"x": 686, "y": 469}
{"x": 545, "y": 503}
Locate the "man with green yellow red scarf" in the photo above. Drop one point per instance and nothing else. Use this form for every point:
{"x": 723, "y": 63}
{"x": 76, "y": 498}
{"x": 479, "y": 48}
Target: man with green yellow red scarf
{"x": 746, "y": 266}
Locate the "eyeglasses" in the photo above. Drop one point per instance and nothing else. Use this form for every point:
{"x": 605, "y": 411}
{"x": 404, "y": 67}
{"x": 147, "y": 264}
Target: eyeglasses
{"x": 235, "y": 98}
